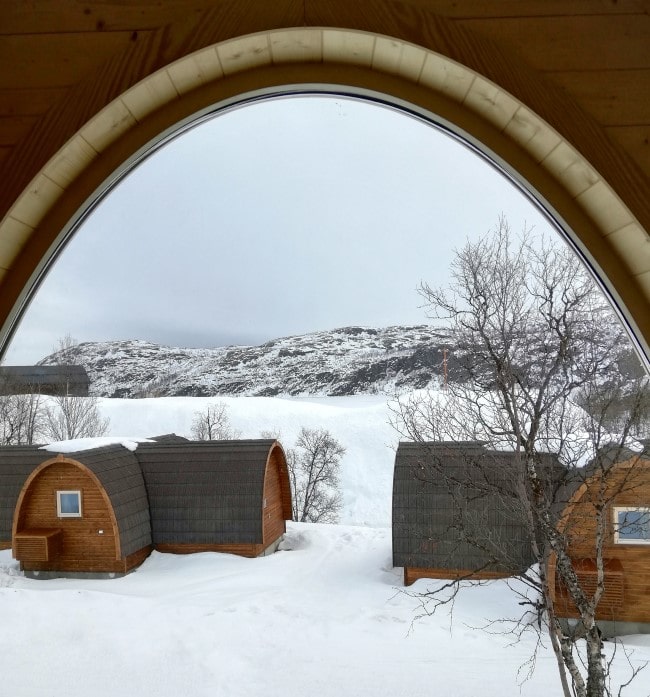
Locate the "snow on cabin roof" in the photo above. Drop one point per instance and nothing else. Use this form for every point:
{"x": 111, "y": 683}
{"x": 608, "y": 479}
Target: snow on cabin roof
{"x": 78, "y": 445}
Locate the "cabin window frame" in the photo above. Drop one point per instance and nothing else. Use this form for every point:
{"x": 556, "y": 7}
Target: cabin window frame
{"x": 62, "y": 514}
{"x": 630, "y": 540}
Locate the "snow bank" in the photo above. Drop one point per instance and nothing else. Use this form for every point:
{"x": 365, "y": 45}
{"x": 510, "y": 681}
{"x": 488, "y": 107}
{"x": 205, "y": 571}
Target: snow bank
{"x": 325, "y": 617}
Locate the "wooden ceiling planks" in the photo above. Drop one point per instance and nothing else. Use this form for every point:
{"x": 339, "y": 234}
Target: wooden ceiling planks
{"x": 476, "y": 9}
{"x": 585, "y": 42}
{"x": 597, "y": 50}
{"x": 90, "y": 16}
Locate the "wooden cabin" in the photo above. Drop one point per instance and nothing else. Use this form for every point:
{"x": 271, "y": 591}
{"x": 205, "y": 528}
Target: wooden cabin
{"x": 624, "y": 487}
{"x": 221, "y": 496}
{"x": 455, "y": 512}
{"x": 101, "y": 511}
{"x": 83, "y": 513}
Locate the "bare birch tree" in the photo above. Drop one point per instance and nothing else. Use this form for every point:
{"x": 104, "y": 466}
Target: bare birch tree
{"x": 213, "y": 423}
{"x": 314, "y": 465}
{"x": 69, "y": 416}
{"x": 531, "y": 331}
{"x": 21, "y": 418}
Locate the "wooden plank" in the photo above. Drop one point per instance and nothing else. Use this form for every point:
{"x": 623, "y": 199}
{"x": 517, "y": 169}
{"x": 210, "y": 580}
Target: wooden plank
{"x": 242, "y": 550}
{"x": 137, "y": 558}
{"x": 273, "y": 525}
{"x": 52, "y": 16}
{"x": 587, "y": 43}
{"x": 412, "y": 574}
{"x": 532, "y": 8}
{"x": 229, "y": 19}
{"x": 614, "y": 97}
{"x": 80, "y": 565}
{"x": 13, "y": 128}
{"x": 63, "y": 16}
{"x": 28, "y": 102}
{"x": 635, "y": 140}
{"x": 32, "y": 59}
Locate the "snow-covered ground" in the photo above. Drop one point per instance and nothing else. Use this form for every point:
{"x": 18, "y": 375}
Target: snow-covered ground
{"x": 324, "y": 617}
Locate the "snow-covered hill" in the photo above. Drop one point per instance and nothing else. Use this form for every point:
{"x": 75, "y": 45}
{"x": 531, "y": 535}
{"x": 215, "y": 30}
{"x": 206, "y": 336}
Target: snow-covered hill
{"x": 351, "y": 360}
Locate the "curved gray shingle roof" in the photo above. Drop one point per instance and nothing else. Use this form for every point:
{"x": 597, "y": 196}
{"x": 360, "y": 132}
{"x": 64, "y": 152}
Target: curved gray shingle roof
{"x": 208, "y": 493}
{"x": 448, "y": 513}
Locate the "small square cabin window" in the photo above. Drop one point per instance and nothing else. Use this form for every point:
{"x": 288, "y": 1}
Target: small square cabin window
{"x": 68, "y": 504}
{"x": 632, "y": 526}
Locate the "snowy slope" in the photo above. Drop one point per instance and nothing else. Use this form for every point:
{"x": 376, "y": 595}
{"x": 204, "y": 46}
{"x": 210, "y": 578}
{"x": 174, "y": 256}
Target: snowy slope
{"x": 359, "y": 423}
{"x": 325, "y": 617}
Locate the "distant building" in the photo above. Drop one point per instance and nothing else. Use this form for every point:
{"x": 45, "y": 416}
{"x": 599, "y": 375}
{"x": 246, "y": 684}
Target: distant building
{"x": 44, "y": 379}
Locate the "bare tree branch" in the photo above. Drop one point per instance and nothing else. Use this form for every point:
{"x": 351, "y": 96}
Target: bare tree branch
{"x": 536, "y": 343}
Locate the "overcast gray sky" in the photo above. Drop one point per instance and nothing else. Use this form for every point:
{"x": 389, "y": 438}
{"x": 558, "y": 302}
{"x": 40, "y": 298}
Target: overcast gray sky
{"x": 282, "y": 217}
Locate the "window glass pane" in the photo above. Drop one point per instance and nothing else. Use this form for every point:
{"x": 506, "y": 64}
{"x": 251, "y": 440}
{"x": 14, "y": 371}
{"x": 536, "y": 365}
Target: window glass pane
{"x": 634, "y": 525}
{"x": 69, "y": 502}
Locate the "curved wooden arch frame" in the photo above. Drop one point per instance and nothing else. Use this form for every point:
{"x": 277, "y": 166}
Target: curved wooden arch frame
{"x": 285, "y": 486}
{"x": 58, "y": 460}
{"x": 352, "y": 61}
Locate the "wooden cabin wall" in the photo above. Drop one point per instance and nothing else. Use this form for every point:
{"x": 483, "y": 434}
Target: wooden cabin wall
{"x": 413, "y": 574}
{"x": 630, "y": 563}
{"x": 83, "y": 548}
{"x": 242, "y": 550}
